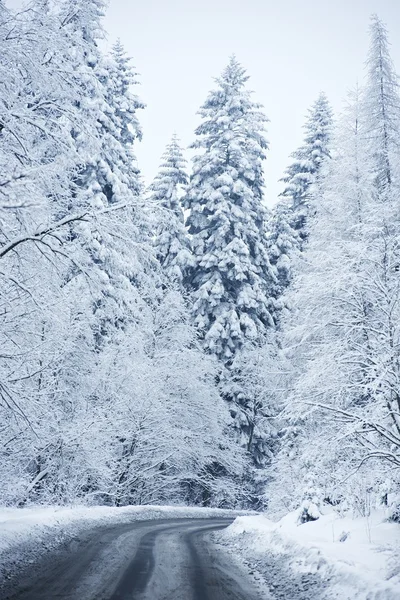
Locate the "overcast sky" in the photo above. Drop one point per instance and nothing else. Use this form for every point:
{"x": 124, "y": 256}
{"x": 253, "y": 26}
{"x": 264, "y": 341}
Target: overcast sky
{"x": 292, "y": 50}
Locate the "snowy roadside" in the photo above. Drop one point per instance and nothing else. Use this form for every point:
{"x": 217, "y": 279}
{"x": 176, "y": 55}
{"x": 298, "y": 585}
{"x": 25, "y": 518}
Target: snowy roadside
{"x": 309, "y": 561}
{"x": 29, "y": 533}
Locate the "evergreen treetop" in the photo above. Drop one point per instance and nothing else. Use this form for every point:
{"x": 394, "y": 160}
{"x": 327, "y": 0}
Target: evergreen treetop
{"x": 382, "y": 105}
{"x": 308, "y": 160}
{"x": 232, "y": 275}
{"x": 170, "y": 178}
{"x": 171, "y": 240}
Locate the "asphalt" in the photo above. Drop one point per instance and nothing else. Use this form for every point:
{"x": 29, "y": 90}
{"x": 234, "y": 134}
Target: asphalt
{"x": 170, "y": 559}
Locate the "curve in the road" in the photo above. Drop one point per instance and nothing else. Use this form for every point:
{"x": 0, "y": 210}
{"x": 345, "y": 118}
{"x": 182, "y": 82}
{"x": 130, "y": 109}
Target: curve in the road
{"x": 90, "y": 572}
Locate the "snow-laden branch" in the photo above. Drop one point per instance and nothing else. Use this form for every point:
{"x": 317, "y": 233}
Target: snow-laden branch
{"x": 47, "y": 231}
{"x": 351, "y": 417}
{"x": 41, "y": 233}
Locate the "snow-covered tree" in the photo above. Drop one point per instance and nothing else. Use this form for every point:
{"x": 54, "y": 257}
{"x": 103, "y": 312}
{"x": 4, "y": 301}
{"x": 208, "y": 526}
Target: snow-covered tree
{"x": 171, "y": 239}
{"x": 343, "y": 336}
{"x": 107, "y": 180}
{"x": 232, "y": 277}
{"x": 382, "y": 107}
{"x": 308, "y": 160}
{"x": 158, "y": 423}
{"x": 38, "y": 159}
{"x": 120, "y": 125}
{"x": 284, "y": 243}
{"x": 250, "y": 388}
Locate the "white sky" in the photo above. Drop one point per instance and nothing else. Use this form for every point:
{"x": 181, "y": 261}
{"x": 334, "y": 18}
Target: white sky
{"x": 292, "y": 50}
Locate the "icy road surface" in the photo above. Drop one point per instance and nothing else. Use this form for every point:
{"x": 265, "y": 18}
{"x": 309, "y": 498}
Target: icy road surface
{"x": 170, "y": 559}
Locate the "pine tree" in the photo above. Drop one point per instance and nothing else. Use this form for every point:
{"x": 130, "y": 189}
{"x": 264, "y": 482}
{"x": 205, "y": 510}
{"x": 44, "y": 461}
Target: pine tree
{"x": 84, "y": 20}
{"x": 308, "y": 160}
{"x": 284, "y": 244}
{"x": 326, "y": 327}
{"x": 382, "y": 107}
{"x": 107, "y": 176}
{"x": 171, "y": 238}
{"x": 232, "y": 277}
{"x": 119, "y": 80}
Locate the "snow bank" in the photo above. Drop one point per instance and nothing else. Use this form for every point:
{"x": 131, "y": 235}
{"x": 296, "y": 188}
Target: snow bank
{"x": 28, "y": 533}
{"x": 365, "y": 565}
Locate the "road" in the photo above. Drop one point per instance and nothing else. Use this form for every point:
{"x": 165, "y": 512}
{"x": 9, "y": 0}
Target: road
{"x": 171, "y": 559}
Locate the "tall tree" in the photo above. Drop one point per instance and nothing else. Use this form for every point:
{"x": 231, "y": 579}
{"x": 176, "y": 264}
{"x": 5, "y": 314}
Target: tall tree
{"x": 344, "y": 334}
{"x": 119, "y": 79}
{"x": 382, "y": 106}
{"x": 171, "y": 239}
{"x": 99, "y": 285}
{"x": 107, "y": 179}
{"x": 38, "y": 157}
{"x": 308, "y": 160}
{"x": 232, "y": 276}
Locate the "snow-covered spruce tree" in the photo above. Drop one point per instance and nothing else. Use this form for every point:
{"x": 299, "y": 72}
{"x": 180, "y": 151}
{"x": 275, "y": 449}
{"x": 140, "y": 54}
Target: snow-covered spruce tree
{"x": 111, "y": 247}
{"x": 107, "y": 180}
{"x": 232, "y": 277}
{"x": 287, "y": 233}
{"x": 171, "y": 239}
{"x": 381, "y": 108}
{"x": 109, "y": 103}
{"x": 284, "y": 243}
{"x": 119, "y": 79}
{"x": 288, "y": 224}
{"x": 345, "y": 328}
{"x": 318, "y": 369}
{"x": 308, "y": 160}
{"x": 232, "y": 281}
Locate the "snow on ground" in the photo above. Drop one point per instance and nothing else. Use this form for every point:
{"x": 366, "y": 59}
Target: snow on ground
{"x": 301, "y": 562}
{"x": 28, "y": 533}
{"x": 310, "y": 560}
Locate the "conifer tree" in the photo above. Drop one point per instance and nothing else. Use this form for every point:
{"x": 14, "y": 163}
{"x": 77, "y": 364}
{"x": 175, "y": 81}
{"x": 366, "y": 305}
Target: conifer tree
{"x": 119, "y": 80}
{"x": 284, "y": 244}
{"x": 308, "y": 161}
{"x": 232, "y": 277}
{"x": 381, "y": 109}
{"x": 106, "y": 272}
{"x": 107, "y": 173}
{"x": 171, "y": 239}
{"x": 326, "y": 325}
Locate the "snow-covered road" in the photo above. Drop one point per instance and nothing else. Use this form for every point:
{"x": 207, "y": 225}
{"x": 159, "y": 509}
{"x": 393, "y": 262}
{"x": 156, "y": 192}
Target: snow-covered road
{"x": 171, "y": 559}
{"x": 181, "y": 553}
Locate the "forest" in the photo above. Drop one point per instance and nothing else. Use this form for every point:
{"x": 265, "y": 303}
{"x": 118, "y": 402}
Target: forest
{"x": 180, "y": 342}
